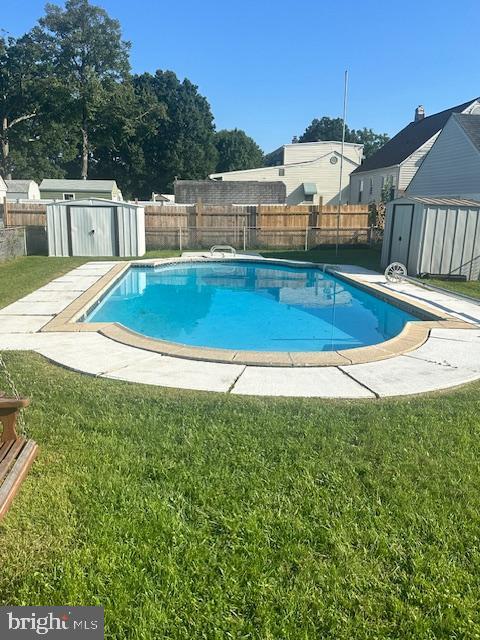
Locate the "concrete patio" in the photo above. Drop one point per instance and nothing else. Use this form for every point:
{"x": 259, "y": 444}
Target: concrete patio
{"x": 449, "y": 357}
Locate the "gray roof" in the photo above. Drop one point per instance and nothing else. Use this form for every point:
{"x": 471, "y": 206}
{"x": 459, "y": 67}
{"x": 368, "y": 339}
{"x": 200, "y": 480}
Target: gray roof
{"x": 77, "y": 185}
{"x": 409, "y": 139}
{"x": 18, "y": 185}
{"x": 455, "y": 202}
{"x": 471, "y": 125}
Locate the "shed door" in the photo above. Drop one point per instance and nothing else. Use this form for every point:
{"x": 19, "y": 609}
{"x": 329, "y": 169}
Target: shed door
{"x": 93, "y": 231}
{"x": 401, "y": 229}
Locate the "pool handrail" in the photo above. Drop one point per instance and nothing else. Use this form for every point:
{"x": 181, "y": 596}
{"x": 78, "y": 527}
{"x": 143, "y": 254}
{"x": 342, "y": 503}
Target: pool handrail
{"x": 222, "y": 248}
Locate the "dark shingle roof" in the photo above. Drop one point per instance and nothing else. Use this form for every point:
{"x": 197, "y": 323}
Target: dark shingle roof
{"x": 471, "y": 125}
{"x": 409, "y": 139}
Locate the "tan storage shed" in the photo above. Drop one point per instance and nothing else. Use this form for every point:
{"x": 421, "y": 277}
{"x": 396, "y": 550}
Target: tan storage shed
{"x": 435, "y": 236}
{"x": 95, "y": 227}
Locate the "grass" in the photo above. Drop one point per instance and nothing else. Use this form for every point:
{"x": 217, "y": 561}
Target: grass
{"x": 469, "y": 288}
{"x": 194, "y": 515}
{"x": 205, "y": 516}
{"x": 363, "y": 256}
{"x": 23, "y": 275}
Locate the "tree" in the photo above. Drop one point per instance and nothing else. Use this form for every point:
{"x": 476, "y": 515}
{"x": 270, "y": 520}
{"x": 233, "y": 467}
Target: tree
{"x": 332, "y": 128}
{"x": 237, "y": 151}
{"x": 183, "y": 144}
{"x": 18, "y": 92}
{"x": 89, "y": 56}
{"x": 324, "y": 129}
{"x": 371, "y": 141}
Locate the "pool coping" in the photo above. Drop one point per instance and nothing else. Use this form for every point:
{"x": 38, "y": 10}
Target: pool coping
{"x": 413, "y": 335}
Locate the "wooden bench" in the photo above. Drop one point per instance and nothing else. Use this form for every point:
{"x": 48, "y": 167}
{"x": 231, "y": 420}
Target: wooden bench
{"x": 16, "y": 453}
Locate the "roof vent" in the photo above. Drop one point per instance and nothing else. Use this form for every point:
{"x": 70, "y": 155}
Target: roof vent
{"x": 419, "y": 113}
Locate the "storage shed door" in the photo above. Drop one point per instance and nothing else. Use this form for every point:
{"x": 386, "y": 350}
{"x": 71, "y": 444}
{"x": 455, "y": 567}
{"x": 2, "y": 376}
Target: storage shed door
{"x": 93, "y": 231}
{"x": 401, "y": 231}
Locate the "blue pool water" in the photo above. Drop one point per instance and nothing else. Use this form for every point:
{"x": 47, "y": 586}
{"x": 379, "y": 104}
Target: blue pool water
{"x": 248, "y": 306}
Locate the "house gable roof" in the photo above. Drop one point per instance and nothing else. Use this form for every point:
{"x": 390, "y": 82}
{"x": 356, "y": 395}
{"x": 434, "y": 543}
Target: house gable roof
{"x": 77, "y": 185}
{"x": 18, "y": 185}
{"x": 289, "y": 165}
{"x": 409, "y": 139}
{"x": 471, "y": 125}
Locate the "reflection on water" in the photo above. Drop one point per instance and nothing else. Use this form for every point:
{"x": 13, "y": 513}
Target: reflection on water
{"x": 249, "y": 306}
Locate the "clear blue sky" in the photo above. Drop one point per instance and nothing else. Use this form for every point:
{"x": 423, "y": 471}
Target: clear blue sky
{"x": 269, "y": 67}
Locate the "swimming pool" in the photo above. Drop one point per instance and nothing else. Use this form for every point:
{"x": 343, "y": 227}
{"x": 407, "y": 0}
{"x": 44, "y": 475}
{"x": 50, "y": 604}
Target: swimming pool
{"x": 251, "y": 306}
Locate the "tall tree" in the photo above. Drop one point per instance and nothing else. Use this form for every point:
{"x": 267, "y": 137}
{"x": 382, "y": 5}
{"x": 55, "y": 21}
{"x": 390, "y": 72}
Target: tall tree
{"x": 88, "y": 54}
{"x": 19, "y": 97}
{"x": 183, "y": 144}
{"x": 331, "y": 129}
{"x": 323, "y": 129}
{"x": 371, "y": 141}
{"x": 237, "y": 151}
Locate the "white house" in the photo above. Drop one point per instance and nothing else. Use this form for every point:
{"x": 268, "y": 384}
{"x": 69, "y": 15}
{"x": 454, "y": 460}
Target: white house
{"x": 393, "y": 166}
{"x": 452, "y": 166}
{"x": 309, "y": 170}
{"x": 3, "y": 190}
{"x": 22, "y": 190}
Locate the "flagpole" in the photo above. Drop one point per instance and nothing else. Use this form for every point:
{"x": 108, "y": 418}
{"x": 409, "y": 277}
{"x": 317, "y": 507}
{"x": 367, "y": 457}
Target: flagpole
{"x": 345, "y": 92}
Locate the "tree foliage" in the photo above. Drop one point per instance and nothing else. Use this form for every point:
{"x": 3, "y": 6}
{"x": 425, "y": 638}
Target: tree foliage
{"x": 69, "y": 107}
{"x": 88, "y": 56}
{"x": 236, "y": 151}
{"x": 332, "y": 128}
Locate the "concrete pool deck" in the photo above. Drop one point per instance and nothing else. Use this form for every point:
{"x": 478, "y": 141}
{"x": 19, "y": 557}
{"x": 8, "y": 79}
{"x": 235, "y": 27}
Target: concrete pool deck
{"x": 447, "y": 357}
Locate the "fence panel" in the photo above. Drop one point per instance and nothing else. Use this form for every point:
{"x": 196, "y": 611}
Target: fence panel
{"x": 12, "y": 243}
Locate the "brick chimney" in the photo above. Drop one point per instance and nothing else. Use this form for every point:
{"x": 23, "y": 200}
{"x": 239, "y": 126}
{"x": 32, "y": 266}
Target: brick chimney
{"x": 419, "y": 113}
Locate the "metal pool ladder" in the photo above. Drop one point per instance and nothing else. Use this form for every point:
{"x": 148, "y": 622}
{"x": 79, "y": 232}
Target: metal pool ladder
{"x": 222, "y": 248}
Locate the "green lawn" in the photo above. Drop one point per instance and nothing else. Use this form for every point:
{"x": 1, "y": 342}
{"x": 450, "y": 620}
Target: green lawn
{"x": 195, "y": 515}
{"x": 23, "y": 275}
{"x": 470, "y": 288}
{"x": 363, "y": 257}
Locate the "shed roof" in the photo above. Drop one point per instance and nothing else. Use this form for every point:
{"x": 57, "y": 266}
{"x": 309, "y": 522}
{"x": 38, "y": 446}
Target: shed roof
{"x": 94, "y": 202}
{"x": 454, "y": 202}
{"x": 409, "y": 139}
{"x": 18, "y": 185}
{"x": 470, "y": 123}
{"x": 77, "y": 185}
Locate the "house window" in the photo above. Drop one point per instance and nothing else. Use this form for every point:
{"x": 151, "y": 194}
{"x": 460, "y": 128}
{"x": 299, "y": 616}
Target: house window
{"x": 69, "y": 196}
{"x": 281, "y": 172}
{"x": 309, "y": 197}
{"x": 360, "y": 190}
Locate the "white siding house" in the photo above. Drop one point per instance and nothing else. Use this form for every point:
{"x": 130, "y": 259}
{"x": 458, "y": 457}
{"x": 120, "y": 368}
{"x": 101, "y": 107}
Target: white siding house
{"x": 452, "y": 167}
{"x": 22, "y": 190}
{"x": 3, "y": 190}
{"x": 397, "y": 162}
{"x": 310, "y": 171}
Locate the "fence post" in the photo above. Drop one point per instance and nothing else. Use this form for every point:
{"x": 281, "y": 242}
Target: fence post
{"x": 244, "y": 237}
{"x": 5, "y": 213}
{"x": 180, "y": 238}
{"x": 306, "y": 238}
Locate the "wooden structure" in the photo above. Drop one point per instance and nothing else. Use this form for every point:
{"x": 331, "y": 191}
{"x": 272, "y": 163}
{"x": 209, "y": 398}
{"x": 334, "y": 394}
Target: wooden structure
{"x": 16, "y": 453}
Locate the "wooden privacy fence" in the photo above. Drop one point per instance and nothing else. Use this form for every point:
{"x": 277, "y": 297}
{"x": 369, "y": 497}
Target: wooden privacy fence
{"x": 244, "y": 226}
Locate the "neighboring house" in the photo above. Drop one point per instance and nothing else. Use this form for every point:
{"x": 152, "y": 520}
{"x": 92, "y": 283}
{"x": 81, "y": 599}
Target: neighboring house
{"x": 3, "y": 190}
{"x": 452, "y": 166}
{"x": 22, "y": 190}
{"x": 393, "y": 166}
{"x": 79, "y": 189}
{"x": 309, "y": 170}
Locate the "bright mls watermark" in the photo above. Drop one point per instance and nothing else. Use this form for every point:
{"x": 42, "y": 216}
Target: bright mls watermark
{"x": 24, "y": 623}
